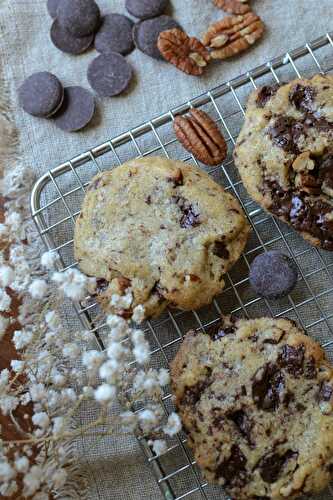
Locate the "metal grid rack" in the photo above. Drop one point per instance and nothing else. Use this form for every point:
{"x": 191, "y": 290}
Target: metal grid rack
{"x": 56, "y": 201}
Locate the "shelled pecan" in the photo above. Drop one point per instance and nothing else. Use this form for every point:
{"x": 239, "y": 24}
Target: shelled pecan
{"x": 233, "y": 6}
{"x": 233, "y": 34}
{"x": 200, "y": 135}
{"x": 186, "y": 53}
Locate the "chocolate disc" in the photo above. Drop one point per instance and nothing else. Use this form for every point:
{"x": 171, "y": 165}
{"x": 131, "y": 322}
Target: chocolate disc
{"x": 77, "y": 110}
{"x": 115, "y": 35}
{"x": 109, "y": 74}
{"x": 80, "y": 17}
{"x": 52, "y": 7}
{"x": 146, "y": 33}
{"x": 41, "y": 94}
{"x": 144, "y": 9}
{"x": 68, "y": 43}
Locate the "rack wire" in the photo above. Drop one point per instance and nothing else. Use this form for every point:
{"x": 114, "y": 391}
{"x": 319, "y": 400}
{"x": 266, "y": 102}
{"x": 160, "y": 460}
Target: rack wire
{"x": 55, "y": 204}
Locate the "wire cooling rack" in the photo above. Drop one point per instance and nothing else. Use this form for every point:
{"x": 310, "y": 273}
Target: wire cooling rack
{"x": 55, "y": 205}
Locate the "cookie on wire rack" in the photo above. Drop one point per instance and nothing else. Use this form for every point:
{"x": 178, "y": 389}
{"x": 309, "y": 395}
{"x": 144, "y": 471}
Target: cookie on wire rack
{"x": 164, "y": 229}
{"x": 256, "y": 399}
{"x": 284, "y": 154}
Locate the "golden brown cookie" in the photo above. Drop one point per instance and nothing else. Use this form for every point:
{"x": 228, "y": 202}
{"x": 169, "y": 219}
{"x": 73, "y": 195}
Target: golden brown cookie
{"x": 284, "y": 154}
{"x": 256, "y": 399}
{"x": 164, "y": 229}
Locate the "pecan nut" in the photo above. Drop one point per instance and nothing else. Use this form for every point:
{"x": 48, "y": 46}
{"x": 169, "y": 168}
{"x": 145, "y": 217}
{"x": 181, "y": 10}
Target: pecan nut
{"x": 233, "y": 6}
{"x": 186, "y": 53}
{"x": 308, "y": 183}
{"x": 303, "y": 162}
{"x": 200, "y": 135}
{"x": 233, "y": 34}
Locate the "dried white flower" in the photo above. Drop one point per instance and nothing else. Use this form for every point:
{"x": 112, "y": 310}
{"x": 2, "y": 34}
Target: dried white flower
{"x": 22, "y": 338}
{"x": 71, "y": 351}
{"x": 129, "y": 420}
{"x": 21, "y": 464}
{"x": 17, "y": 365}
{"x": 7, "y": 275}
{"x": 38, "y": 289}
{"x": 141, "y": 353}
{"x": 109, "y": 371}
{"x": 122, "y": 301}
{"x": 148, "y": 420}
{"x": 8, "y": 404}
{"x": 41, "y": 419}
{"x": 138, "y": 314}
{"x": 92, "y": 360}
{"x": 14, "y": 221}
{"x": 173, "y": 425}
{"x": 4, "y": 322}
{"x": 5, "y": 300}
{"x": 6, "y": 471}
{"x": 49, "y": 259}
{"x": 3, "y": 231}
{"x": 163, "y": 377}
{"x": 58, "y": 425}
{"x": 116, "y": 350}
{"x": 38, "y": 392}
{"x": 72, "y": 283}
{"x": 32, "y": 480}
{"x": 59, "y": 478}
{"x": 52, "y": 320}
{"x": 8, "y": 489}
{"x": 159, "y": 446}
{"x": 105, "y": 393}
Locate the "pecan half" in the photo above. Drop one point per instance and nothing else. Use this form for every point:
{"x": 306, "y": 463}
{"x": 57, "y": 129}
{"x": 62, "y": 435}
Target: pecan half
{"x": 186, "y": 53}
{"x": 200, "y": 135}
{"x": 307, "y": 183}
{"x": 233, "y": 6}
{"x": 233, "y": 34}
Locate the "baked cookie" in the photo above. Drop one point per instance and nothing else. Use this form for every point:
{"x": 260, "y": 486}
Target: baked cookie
{"x": 164, "y": 229}
{"x": 256, "y": 398}
{"x": 284, "y": 154}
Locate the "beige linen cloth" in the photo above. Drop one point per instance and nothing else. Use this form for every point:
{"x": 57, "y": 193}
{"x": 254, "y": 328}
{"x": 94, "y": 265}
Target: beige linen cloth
{"x": 115, "y": 466}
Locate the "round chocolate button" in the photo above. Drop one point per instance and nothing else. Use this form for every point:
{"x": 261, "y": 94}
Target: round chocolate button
{"x": 144, "y": 9}
{"x": 68, "y": 43}
{"x": 80, "y": 17}
{"x": 115, "y": 35}
{"x": 146, "y": 33}
{"x": 77, "y": 110}
{"x": 109, "y": 74}
{"x": 41, "y": 94}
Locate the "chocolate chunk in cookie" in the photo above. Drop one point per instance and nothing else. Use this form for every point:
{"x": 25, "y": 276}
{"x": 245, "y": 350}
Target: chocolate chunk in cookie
{"x": 251, "y": 401}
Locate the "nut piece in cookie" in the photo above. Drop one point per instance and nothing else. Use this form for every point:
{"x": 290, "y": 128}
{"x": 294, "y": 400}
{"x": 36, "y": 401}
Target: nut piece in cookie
{"x": 200, "y": 135}
{"x": 233, "y": 34}
{"x": 284, "y": 154}
{"x": 163, "y": 229}
{"x": 186, "y": 53}
{"x": 256, "y": 400}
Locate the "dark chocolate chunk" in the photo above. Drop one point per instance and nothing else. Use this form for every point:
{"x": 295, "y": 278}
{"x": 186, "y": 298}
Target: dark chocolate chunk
{"x": 41, "y": 94}
{"x": 233, "y": 469}
{"x": 144, "y": 9}
{"x": 285, "y": 133}
{"x": 80, "y": 17}
{"x": 221, "y": 329}
{"x": 310, "y": 370}
{"x": 66, "y": 42}
{"x": 115, "y": 35}
{"x": 146, "y": 33}
{"x": 271, "y": 465}
{"x": 177, "y": 180}
{"x": 101, "y": 285}
{"x": 302, "y": 97}
{"x": 109, "y": 74}
{"x": 326, "y": 392}
{"x": 191, "y": 217}
{"x": 273, "y": 274}
{"x": 193, "y": 393}
{"x": 220, "y": 250}
{"x": 265, "y": 93}
{"x": 243, "y": 424}
{"x": 52, "y": 7}
{"x": 268, "y": 387}
{"x": 292, "y": 358}
{"x": 77, "y": 110}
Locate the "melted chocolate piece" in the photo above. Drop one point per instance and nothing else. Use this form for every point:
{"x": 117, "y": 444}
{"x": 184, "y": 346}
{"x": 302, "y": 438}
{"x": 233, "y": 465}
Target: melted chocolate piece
{"x": 267, "y": 388}
{"x": 101, "y": 285}
{"x": 177, "y": 180}
{"x": 302, "y": 212}
{"x": 326, "y": 392}
{"x": 221, "y": 329}
{"x": 193, "y": 394}
{"x": 302, "y": 97}
{"x": 291, "y": 358}
{"x": 285, "y": 133}
{"x": 271, "y": 465}
{"x": 310, "y": 370}
{"x": 243, "y": 424}
{"x": 275, "y": 341}
{"x": 148, "y": 200}
{"x": 220, "y": 250}
{"x": 265, "y": 94}
{"x": 191, "y": 215}
{"x": 233, "y": 469}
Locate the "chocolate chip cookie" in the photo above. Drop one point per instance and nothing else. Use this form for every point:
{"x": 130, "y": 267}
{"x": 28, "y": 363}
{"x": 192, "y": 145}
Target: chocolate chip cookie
{"x": 164, "y": 229}
{"x": 256, "y": 398}
{"x": 284, "y": 154}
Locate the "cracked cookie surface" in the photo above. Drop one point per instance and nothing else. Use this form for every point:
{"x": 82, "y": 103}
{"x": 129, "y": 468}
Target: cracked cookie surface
{"x": 284, "y": 154}
{"x": 256, "y": 399}
{"x": 163, "y": 228}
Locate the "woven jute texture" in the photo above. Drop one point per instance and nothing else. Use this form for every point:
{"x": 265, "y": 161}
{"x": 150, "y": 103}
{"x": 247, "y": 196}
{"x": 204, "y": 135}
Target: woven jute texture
{"x": 114, "y": 466}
